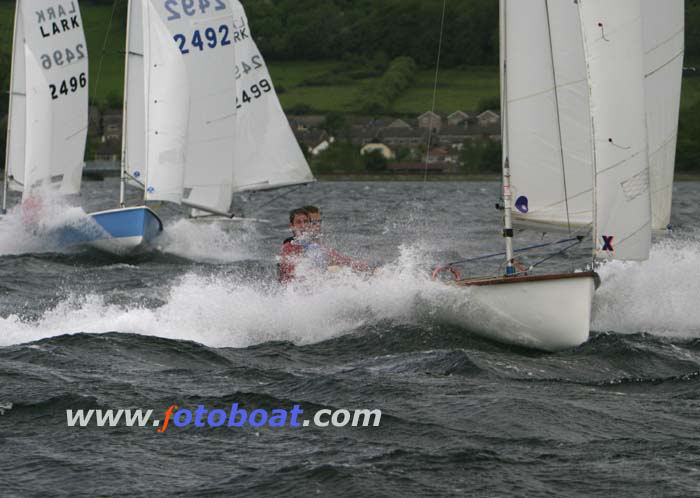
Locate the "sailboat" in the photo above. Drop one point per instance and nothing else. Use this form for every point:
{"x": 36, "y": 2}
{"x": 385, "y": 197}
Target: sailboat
{"x": 562, "y": 121}
{"x": 48, "y": 108}
{"x": 178, "y": 117}
{"x": 201, "y": 119}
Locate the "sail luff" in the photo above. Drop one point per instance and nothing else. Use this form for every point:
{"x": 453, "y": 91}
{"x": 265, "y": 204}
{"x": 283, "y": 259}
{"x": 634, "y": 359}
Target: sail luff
{"x": 614, "y": 56}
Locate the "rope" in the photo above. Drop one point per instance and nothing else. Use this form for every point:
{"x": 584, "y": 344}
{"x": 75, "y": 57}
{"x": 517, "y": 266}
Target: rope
{"x": 556, "y": 254}
{"x": 102, "y": 55}
{"x": 280, "y": 196}
{"x": 435, "y": 85}
{"x": 578, "y": 240}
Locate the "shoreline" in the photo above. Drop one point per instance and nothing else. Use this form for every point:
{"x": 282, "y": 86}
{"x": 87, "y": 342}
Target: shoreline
{"x": 484, "y": 177}
{"x": 91, "y": 174}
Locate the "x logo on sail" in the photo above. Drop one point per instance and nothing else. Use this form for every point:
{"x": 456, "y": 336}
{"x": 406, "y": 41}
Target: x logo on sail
{"x": 608, "y": 243}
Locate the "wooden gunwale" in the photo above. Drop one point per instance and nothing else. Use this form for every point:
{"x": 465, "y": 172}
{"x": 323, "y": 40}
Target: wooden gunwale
{"x": 484, "y": 281}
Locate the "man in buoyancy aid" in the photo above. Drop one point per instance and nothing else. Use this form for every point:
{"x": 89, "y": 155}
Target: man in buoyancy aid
{"x": 304, "y": 243}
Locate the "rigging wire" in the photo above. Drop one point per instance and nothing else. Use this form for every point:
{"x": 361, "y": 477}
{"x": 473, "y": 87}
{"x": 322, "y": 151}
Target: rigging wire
{"x": 435, "y": 85}
{"x": 556, "y": 104}
{"x": 102, "y": 55}
{"x": 283, "y": 194}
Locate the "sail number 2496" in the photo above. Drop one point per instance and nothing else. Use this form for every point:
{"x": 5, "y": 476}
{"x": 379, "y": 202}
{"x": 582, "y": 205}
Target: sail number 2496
{"x": 67, "y": 86}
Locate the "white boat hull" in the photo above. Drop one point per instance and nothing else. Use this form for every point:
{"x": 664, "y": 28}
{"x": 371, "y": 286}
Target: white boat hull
{"x": 551, "y": 312}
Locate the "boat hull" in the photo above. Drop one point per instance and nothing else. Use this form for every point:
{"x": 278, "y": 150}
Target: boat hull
{"x": 548, "y": 312}
{"x": 126, "y": 230}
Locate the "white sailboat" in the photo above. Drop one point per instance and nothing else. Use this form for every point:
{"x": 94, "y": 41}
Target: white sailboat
{"x": 552, "y": 312}
{"x": 178, "y": 117}
{"x": 48, "y": 109}
{"x": 201, "y": 119}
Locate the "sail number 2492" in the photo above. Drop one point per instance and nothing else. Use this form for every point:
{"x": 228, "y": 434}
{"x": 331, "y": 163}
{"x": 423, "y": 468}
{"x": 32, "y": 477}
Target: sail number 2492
{"x": 210, "y": 39}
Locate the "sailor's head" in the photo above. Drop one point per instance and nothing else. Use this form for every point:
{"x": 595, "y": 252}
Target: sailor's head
{"x": 299, "y": 222}
{"x": 314, "y": 220}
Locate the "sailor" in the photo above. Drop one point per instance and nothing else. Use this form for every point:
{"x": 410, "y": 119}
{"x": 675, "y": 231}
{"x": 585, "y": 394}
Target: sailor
{"x": 304, "y": 243}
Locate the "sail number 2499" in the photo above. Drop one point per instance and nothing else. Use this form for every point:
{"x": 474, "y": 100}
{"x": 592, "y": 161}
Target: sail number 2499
{"x": 67, "y": 86}
{"x": 256, "y": 91}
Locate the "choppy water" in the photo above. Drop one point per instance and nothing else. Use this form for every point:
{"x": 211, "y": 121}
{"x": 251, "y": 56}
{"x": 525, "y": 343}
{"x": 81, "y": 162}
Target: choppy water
{"x": 203, "y": 322}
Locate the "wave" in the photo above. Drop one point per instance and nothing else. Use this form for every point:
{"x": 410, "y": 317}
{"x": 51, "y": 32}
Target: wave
{"x": 658, "y": 296}
{"x": 226, "y": 310}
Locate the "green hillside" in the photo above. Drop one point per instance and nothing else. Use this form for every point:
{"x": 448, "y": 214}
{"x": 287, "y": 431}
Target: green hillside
{"x": 346, "y": 67}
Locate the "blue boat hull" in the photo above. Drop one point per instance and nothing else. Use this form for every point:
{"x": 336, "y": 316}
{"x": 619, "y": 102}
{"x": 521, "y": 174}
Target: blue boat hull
{"x": 126, "y": 230}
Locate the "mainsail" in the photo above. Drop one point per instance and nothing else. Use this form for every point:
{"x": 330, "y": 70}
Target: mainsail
{"x": 179, "y": 111}
{"x": 49, "y": 96}
{"x": 663, "y": 27}
{"x": 546, "y": 114}
{"x": 612, "y": 35}
{"x": 267, "y": 154}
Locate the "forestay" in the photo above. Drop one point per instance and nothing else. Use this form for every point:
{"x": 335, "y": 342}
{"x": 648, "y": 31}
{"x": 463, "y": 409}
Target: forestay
{"x": 190, "y": 95}
{"x": 612, "y": 35}
{"x": 547, "y": 115}
{"x": 267, "y": 155}
{"x": 48, "y": 97}
{"x": 663, "y": 27}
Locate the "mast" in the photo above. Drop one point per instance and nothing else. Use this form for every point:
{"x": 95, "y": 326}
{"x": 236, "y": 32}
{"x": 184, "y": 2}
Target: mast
{"x": 124, "y": 108}
{"x": 594, "y": 157}
{"x": 507, "y": 196}
{"x": 5, "y": 175}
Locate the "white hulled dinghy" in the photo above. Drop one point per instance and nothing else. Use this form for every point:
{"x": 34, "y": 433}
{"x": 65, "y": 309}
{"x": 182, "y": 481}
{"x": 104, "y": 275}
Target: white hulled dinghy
{"x": 552, "y": 312}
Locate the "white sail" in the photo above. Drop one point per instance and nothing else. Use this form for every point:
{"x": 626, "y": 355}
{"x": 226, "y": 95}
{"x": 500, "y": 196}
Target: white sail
{"x": 663, "y": 25}
{"x": 267, "y": 154}
{"x": 167, "y": 110}
{"x": 547, "y": 115}
{"x": 189, "y": 103}
{"x": 612, "y": 35}
{"x": 134, "y": 140}
{"x": 17, "y": 120}
{"x": 50, "y": 90}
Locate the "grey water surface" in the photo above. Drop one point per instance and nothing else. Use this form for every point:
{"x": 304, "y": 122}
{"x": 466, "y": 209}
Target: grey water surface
{"x": 201, "y": 321}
